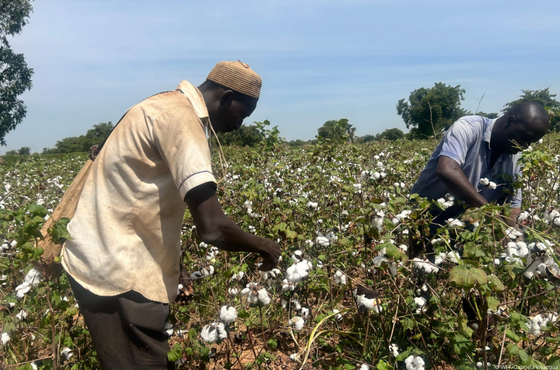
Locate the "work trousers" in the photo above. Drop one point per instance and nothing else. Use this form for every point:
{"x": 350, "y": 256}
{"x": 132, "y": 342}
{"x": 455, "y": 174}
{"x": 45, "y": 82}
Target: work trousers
{"x": 127, "y": 329}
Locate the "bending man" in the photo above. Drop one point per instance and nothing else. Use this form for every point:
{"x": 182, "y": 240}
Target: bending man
{"x": 123, "y": 258}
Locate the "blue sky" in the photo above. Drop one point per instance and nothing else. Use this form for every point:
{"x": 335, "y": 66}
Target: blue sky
{"x": 319, "y": 59}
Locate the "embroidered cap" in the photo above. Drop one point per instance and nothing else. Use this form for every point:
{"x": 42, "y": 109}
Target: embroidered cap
{"x": 237, "y": 76}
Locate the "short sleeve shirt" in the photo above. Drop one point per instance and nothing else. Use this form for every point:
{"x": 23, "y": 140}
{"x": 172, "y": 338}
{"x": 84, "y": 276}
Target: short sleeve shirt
{"x": 127, "y": 226}
{"x": 468, "y": 143}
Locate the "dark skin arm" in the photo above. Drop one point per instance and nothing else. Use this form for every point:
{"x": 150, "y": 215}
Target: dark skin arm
{"x": 449, "y": 171}
{"x": 215, "y": 228}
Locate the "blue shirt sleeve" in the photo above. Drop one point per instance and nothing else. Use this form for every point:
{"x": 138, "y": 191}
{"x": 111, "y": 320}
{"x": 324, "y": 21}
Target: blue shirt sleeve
{"x": 516, "y": 197}
{"x": 458, "y": 140}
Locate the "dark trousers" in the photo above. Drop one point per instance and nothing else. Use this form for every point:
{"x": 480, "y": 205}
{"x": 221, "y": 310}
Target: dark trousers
{"x": 127, "y": 329}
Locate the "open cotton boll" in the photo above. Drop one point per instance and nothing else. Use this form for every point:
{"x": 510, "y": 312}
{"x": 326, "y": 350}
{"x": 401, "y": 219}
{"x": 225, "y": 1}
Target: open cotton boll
{"x": 394, "y": 348}
{"x": 364, "y": 367}
{"x": 66, "y": 354}
{"x": 454, "y": 223}
{"x": 340, "y": 278}
{"x": 294, "y": 357}
{"x": 338, "y": 315}
{"x": 287, "y": 285}
{"x": 425, "y": 266}
{"x": 297, "y": 323}
{"x": 414, "y": 362}
{"x": 484, "y": 181}
{"x": 492, "y": 185}
{"x": 421, "y": 303}
{"x": 212, "y": 332}
{"x": 297, "y": 256}
{"x": 228, "y": 314}
{"x": 168, "y": 328}
{"x": 263, "y": 296}
{"x": 233, "y": 291}
{"x": 297, "y": 272}
{"x": 5, "y": 338}
{"x": 369, "y": 304}
{"x": 272, "y": 274}
{"x": 21, "y": 315}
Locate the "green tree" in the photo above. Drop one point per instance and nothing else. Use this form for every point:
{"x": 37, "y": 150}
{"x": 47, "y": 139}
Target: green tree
{"x": 543, "y": 97}
{"x": 244, "y": 136}
{"x": 429, "y": 111}
{"x": 339, "y": 130}
{"x": 488, "y": 115}
{"x": 24, "y": 150}
{"x": 82, "y": 143}
{"x": 15, "y": 76}
{"x": 390, "y": 134}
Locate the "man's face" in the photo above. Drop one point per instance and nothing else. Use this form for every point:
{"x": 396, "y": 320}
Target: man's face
{"x": 519, "y": 137}
{"x": 230, "y": 114}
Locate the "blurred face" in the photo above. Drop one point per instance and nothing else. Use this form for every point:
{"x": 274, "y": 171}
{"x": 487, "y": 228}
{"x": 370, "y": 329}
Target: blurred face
{"x": 519, "y": 136}
{"x": 231, "y": 112}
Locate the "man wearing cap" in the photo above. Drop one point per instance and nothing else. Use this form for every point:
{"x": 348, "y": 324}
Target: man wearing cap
{"x": 123, "y": 258}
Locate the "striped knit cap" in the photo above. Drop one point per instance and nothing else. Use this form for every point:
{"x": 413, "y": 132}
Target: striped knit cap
{"x": 238, "y": 77}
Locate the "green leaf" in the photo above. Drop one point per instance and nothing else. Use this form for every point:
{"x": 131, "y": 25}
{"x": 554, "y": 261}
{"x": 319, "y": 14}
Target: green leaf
{"x": 59, "y": 232}
{"x": 513, "y": 336}
{"x": 554, "y": 362}
{"x": 512, "y": 349}
{"x": 493, "y": 303}
{"x": 523, "y": 357}
{"x": 393, "y": 252}
{"x": 382, "y": 365}
{"x": 290, "y": 234}
{"x": 466, "y": 277}
{"x": 461, "y": 345}
{"x": 496, "y": 284}
{"x": 408, "y": 324}
{"x": 175, "y": 353}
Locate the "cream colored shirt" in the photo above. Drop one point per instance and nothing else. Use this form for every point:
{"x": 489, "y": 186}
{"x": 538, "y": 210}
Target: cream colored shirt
{"x": 127, "y": 227}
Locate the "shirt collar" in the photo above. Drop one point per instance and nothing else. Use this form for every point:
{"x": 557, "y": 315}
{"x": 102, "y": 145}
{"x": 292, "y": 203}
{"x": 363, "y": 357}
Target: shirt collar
{"x": 195, "y": 97}
{"x": 489, "y": 126}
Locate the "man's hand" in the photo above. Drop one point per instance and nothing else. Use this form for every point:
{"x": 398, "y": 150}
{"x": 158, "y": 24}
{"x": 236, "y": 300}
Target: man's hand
{"x": 449, "y": 171}
{"x": 215, "y": 228}
{"x": 270, "y": 254}
{"x": 186, "y": 288}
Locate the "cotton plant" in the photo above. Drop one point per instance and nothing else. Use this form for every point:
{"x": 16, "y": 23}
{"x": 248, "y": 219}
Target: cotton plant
{"x": 340, "y": 278}
{"x": 368, "y": 301}
{"x": 425, "y": 266}
{"x": 540, "y": 321}
{"x": 228, "y": 314}
{"x": 298, "y": 271}
{"x": 490, "y": 184}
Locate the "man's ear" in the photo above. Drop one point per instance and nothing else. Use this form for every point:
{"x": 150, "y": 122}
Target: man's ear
{"x": 226, "y": 97}
{"x": 510, "y": 120}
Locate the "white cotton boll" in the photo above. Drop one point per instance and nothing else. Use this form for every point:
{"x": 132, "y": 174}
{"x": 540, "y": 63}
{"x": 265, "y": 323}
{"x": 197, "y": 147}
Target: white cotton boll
{"x": 364, "y": 367}
{"x": 297, "y": 272}
{"x": 294, "y": 357}
{"x": 513, "y": 233}
{"x": 228, "y": 314}
{"x": 557, "y": 221}
{"x": 484, "y": 181}
{"x": 421, "y": 303}
{"x": 492, "y": 185}
{"x": 263, "y": 296}
{"x": 21, "y": 315}
{"x": 13, "y": 243}
{"x": 369, "y": 303}
{"x": 66, "y": 354}
{"x": 233, "y": 291}
{"x": 297, "y": 322}
{"x": 497, "y": 261}
{"x": 297, "y": 256}
{"x": 414, "y": 362}
{"x": 238, "y": 276}
{"x": 376, "y": 175}
{"x": 22, "y": 289}
{"x": 168, "y": 328}
{"x": 272, "y": 274}
{"x": 522, "y": 216}
{"x": 394, "y": 348}
{"x": 287, "y": 285}
{"x": 207, "y": 271}
{"x": 392, "y": 268}
{"x": 210, "y": 333}
{"x": 312, "y": 205}
{"x": 296, "y": 305}
{"x": 304, "y": 312}
{"x": 340, "y": 278}
{"x": 453, "y": 257}
{"x": 319, "y": 264}
{"x": 454, "y": 223}
{"x": 338, "y": 315}
{"x": 440, "y": 258}
{"x": 5, "y": 338}
{"x": 425, "y": 266}
{"x": 322, "y": 241}
{"x": 522, "y": 249}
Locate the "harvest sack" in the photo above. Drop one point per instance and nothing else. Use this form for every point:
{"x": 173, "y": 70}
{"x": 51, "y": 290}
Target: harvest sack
{"x": 66, "y": 208}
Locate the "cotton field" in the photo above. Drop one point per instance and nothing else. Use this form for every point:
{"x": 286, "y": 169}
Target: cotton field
{"x": 350, "y": 291}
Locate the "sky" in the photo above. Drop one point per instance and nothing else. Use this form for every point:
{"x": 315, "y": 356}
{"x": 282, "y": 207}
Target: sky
{"x": 319, "y": 59}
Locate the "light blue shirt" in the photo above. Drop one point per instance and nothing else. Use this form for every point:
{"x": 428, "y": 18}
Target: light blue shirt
{"x": 468, "y": 143}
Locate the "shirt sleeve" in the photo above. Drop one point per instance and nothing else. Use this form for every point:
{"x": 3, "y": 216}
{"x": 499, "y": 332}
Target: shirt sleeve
{"x": 458, "y": 140}
{"x": 181, "y": 141}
